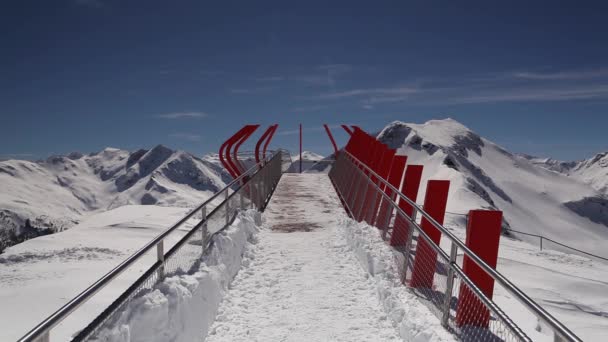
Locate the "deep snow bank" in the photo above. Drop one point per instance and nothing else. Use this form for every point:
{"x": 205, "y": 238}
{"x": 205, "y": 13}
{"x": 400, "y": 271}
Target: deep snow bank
{"x": 182, "y": 308}
{"x": 413, "y": 319}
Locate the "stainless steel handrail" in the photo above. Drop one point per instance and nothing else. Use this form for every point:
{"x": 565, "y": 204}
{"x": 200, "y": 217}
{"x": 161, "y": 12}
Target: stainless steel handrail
{"x": 524, "y": 299}
{"x": 40, "y": 332}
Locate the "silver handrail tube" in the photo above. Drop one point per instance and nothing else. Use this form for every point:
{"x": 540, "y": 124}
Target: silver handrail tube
{"x": 40, "y": 333}
{"x": 524, "y": 299}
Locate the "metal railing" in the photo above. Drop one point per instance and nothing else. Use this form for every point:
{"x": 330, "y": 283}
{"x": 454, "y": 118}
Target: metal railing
{"x": 253, "y": 189}
{"x": 451, "y": 288}
{"x": 562, "y": 245}
{"x": 509, "y": 233}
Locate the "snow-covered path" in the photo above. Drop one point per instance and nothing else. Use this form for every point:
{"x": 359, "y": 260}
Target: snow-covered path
{"x": 298, "y": 284}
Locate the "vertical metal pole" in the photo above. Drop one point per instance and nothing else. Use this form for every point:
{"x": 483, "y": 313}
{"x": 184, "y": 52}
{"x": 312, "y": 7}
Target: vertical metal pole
{"x": 408, "y": 247}
{"x": 387, "y": 221}
{"x": 300, "y": 148}
{"x": 160, "y": 256}
{"x": 204, "y": 228}
{"x": 447, "y": 300}
{"x": 227, "y": 208}
{"x": 541, "y": 243}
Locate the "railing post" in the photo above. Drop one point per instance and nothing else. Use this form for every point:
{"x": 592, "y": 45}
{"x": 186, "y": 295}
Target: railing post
{"x": 204, "y": 227}
{"x": 408, "y": 247}
{"x": 447, "y": 300}
{"x": 541, "y": 243}
{"x": 160, "y": 256}
{"x": 227, "y": 208}
{"x": 242, "y": 197}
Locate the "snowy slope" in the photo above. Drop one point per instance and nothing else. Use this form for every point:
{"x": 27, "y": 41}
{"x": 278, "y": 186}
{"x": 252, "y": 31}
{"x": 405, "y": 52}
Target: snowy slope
{"x": 484, "y": 175}
{"x": 40, "y": 275}
{"x": 309, "y": 160}
{"x": 593, "y": 171}
{"x": 52, "y": 195}
{"x": 307, "y": 156}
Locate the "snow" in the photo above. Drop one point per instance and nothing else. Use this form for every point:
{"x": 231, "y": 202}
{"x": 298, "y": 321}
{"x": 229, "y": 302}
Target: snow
{"x": 181, "y": 308}
{"x": 44, "y": 273}
{"x": 570, "y": 287}
{"x": 308, "y": 156}
{"x": 303, "y": 281}
{"x": 593, "y": 171}
{"x": 413, "y": 319}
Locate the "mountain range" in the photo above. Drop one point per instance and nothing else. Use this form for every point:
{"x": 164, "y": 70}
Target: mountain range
{"x": 47, "y": 196}
{"x": 566, "y": 201}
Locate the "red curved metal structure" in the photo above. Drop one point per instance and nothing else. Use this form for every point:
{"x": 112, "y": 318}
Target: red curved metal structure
{"x": 259, "y": 143}
{"x": 331, "y": 138}
{"x": 347, "y": 129}
{"x": 224, "y": 152}
{"x": 238, "y": 166}
{"x": 274, "y": 129}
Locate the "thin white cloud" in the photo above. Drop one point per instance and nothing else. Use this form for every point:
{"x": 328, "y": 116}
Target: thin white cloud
{"x": 489, "y": 88}
{"x": 563, "y": 75}
{"x": 574, "y": 92}
{"x": 185, "y": 136}
{"x": 183, "y": 115}
{"x": 378, "y": 93}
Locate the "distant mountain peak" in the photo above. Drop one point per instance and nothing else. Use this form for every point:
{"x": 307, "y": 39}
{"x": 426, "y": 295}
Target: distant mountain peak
{"x": 60, "y": 191}
{"x": 432, "y": 135}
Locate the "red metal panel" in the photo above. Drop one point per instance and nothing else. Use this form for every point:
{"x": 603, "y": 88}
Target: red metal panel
{"x": 274, "y": 129}
{"x": 483, "y": 237}
{"x": 409, "y": 187}
{"x": 368, "y": 153}
{"x": 383, "y": 170}
{"x": 375, "y": 164}
{"x": 331, "y": 138}
{"x": 394, "y": 178}
{"x": 259, "y": 143}
{"x": 425, "y": 262}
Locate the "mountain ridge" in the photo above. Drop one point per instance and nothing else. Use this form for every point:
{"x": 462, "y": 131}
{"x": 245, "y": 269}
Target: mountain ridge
{"x": 484, "y": 175}
{"x": 44, "y": 196}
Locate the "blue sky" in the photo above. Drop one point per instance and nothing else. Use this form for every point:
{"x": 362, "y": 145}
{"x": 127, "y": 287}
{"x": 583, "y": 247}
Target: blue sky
{"x": 80, "y": 75}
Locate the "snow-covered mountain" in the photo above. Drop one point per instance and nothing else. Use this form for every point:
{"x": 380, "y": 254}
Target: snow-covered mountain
{"x": 484, "y": 175}
{"x": 48, "y": 196}
{"x": 593, "y": 171}
{"x": 308, "y": 156}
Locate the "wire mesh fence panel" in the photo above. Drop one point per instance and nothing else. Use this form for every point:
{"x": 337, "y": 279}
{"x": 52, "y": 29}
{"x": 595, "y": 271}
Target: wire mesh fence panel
{"x": 103, "y": 327}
